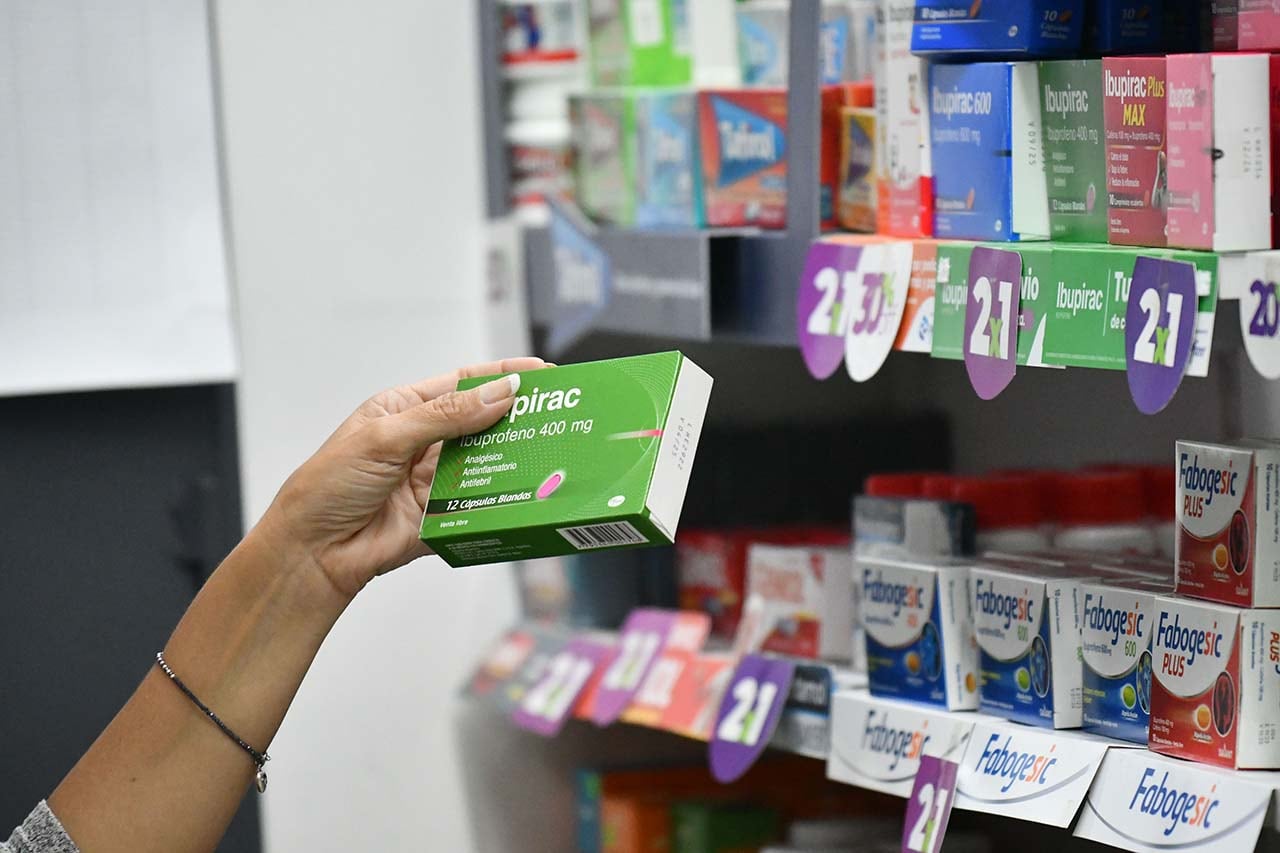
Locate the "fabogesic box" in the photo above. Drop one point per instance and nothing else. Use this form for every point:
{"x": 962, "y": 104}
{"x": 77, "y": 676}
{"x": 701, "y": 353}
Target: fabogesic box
{"x": 919, "y": 630}
{"x": 1027, "y": 623}
{"x": 590, "y": 456}
{"x": 1216, "y": 689}
{"x": 1228, "y": 546}
{"x": 1116, "y": 625}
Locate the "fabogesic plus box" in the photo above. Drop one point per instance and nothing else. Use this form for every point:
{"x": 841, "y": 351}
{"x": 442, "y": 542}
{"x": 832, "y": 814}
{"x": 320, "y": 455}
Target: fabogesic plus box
{"x": 1228, "y": 546}
{"x": 1217, "y": 683}
{"x": 1027, "y": 623}
{"x": 808, "y": 598}
{"x": 590, "y": 456}
{"x": 919, "y": 631}
{"x": 986, "y": 127}
{"x": 1133, "y": 91}
{"x": 1219, "y": 151}
{"x": 1116, "y": 624}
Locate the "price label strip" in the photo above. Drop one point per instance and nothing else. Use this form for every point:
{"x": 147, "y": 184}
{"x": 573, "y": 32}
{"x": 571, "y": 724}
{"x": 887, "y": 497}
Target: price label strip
{"x": 685, "y": 639}
{"x": 991, "y": 320}
{"x": 546, "y": 705}
{"x": 929, "y": 806}
{"x": 501, "y": 663}
{"x": 820, "y": 305}
{"x": 1260, "y": 315}
{"x": 749, "y": 713}
{"x": 875, "y": 296}
{"x": 643, "y": 637}
{"x": 1159, "y": 328}
{"x": 1031, "y": 774}
{"x": 1146, "y": 802}
{"x": 878, "y": 743}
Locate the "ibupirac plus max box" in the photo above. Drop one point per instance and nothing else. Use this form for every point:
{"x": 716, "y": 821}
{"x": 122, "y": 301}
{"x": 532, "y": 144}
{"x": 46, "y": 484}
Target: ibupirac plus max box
{"x": 591, "y": 456}
{"x": 985, "y": 123}
{"x": 1217, "y": 683}
{"x": 1117, "y": 621}
{"x": 1228, "y": 546}
{"x": 1137, "y": 170}
{"x": 919, "y": 631}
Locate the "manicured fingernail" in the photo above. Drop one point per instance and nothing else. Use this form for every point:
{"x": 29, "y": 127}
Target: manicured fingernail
{"x": 500, "y": 389}
{"x": 549, "y": 364}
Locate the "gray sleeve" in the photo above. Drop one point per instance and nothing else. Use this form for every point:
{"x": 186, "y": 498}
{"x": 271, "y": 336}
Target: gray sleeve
{"x": 41, "y": 832}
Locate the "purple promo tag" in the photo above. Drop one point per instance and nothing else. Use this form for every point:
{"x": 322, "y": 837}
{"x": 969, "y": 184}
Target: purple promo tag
{"x": 991, "y": 320}
{"x": 1159, "y": 325}
{"x": 749, "y": 713}
{"x": 820, "y": 314}
{"x": 929, "y": 806}
{"x": 643, "y": 637}
{"x": 548, "y": 703}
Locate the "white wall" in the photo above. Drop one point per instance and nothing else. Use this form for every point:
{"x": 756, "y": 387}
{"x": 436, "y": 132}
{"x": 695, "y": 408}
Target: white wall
{"x": 352, "y": 153}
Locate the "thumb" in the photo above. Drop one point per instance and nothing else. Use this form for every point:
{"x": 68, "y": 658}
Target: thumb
{"x": 450, "y": 415}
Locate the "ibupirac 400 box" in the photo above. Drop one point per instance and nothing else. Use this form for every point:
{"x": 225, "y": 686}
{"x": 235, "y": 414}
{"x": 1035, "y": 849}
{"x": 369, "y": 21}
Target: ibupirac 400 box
{"x": 590, "y": 456}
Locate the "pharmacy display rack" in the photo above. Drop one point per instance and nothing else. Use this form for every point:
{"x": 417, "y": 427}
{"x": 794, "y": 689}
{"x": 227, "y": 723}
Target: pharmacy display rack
{"x": 729, "y": 300}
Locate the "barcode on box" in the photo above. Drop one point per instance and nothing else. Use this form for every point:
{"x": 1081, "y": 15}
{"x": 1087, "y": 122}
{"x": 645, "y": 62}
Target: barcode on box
{"x": 608, "y": 535}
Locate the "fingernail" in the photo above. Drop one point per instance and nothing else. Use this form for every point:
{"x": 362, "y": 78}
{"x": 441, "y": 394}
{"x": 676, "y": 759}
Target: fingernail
{"x": 500, "y": 389}
{"x": 549, "y": 364}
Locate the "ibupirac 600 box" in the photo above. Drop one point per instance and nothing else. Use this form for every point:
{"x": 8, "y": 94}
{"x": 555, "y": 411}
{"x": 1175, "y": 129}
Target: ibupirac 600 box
{"x": 591, "y": 456}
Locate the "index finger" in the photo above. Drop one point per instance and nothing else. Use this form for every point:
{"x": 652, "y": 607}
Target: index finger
{"x": 429, "y": 389}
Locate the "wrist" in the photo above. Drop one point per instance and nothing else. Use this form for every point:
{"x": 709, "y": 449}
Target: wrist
{"x": 271, "y": 545}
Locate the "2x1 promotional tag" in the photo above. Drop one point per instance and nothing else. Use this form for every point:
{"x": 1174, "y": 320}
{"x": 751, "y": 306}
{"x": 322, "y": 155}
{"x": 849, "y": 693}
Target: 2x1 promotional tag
{"x": 546, "y": 705}
{"x": 1260, "y": 315}
{"x": 991, "y": 319}
{"x": 749, "y": 713}
{"x": 929, "y": 806}
{"x": 1158, "y": 332}
{"x": 642, "y": 639}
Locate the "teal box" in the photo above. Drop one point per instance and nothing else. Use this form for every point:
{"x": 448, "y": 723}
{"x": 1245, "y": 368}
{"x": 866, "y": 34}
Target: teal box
{"x": 591, "y": 456}
{"x": 668, "y": 171}
{"x": 604, "y": 138}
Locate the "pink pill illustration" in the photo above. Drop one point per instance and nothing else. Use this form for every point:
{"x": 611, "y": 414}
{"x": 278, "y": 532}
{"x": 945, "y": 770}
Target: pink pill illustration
{"x": 549, "y": 485}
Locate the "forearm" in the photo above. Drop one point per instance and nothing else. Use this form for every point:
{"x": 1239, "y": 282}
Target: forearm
{"x": 163, "y": 777}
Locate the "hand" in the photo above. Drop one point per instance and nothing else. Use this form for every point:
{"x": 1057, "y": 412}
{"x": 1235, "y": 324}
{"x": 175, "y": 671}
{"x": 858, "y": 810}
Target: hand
{"x": 354, "y": 508}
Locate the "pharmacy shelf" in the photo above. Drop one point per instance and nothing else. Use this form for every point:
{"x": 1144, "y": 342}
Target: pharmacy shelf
{"x": 1103, "y": 790}
{"x": 696, "y": 285}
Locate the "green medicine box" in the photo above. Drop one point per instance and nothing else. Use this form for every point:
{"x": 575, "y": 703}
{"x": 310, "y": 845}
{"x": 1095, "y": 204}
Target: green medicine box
{"x": 591, "y": 456}
{"x": 640, "y": 42}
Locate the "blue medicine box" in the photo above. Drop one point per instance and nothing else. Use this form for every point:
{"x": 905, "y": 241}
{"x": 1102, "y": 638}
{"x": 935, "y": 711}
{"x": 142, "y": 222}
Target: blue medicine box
{"x": 998, "y": 29}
